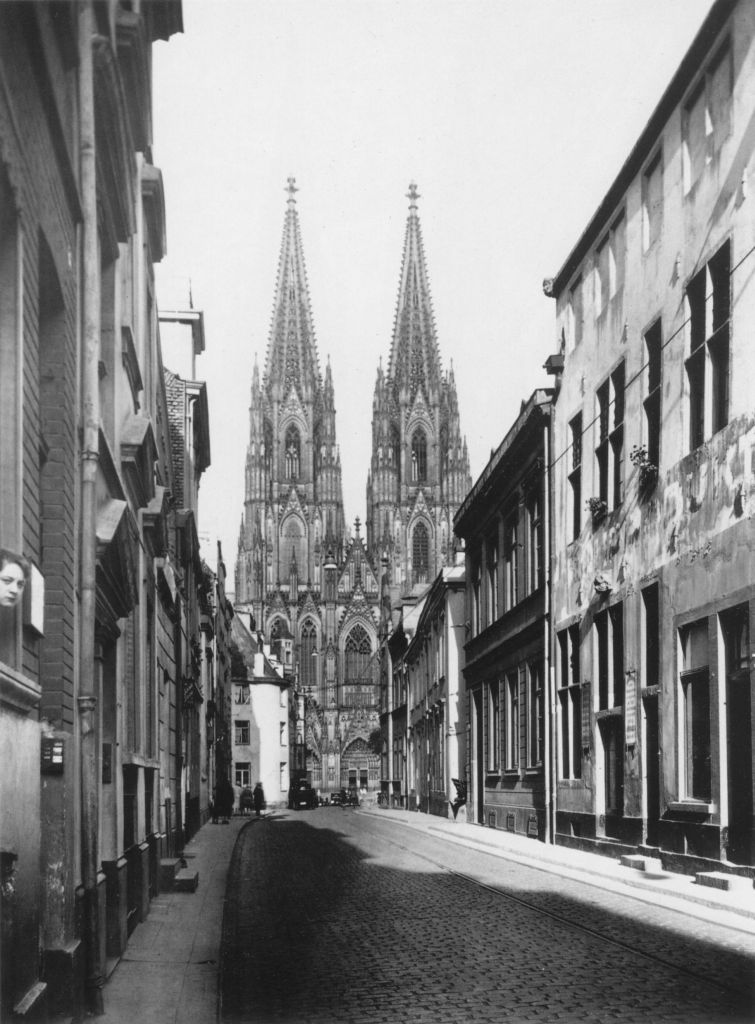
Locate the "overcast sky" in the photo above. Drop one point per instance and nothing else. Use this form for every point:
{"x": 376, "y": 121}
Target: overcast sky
{"x": 513, "y": 116}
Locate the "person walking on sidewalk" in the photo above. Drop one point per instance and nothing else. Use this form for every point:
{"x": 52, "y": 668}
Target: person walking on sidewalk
{"x": 259, "y": 799}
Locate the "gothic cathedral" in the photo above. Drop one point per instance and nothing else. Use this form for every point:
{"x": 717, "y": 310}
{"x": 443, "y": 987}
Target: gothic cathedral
{"x": 301, "y": 574}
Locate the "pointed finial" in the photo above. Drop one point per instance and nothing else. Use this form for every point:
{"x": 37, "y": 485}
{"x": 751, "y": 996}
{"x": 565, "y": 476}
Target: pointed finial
{"x": 412, "y": 195}
{"x": 357, "y": 524}
{"x": 291, "y": 189}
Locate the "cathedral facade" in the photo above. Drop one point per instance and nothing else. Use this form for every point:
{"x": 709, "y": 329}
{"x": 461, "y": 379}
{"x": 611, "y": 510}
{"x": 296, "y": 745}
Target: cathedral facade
{"x": 305, "y": 578}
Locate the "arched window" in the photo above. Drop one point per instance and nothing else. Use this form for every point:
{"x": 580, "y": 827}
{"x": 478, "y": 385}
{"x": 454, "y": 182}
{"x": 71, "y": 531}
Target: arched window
{"x": 294, "y": 546}
{"x": 293, "y": 453}
{"x": 419, "y": 457}
{"x": 420, "y": 553}
{"x": 358, "y": 654}
{"x": 308, "y": 661}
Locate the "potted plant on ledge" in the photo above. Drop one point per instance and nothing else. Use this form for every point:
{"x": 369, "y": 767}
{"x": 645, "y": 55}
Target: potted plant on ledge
{"x": 647, "y": 470}
{"x": 598, "y": 509}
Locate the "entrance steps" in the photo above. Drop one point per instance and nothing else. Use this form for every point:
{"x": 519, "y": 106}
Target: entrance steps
{"x": 176, "y": 877}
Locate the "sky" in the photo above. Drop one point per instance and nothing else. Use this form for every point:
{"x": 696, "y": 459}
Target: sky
{"x": 513, "y": 117}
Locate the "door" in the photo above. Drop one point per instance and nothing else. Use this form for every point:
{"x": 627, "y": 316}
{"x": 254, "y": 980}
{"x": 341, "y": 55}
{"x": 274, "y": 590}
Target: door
{"x": 478, "y": 775}
{"x": 652, "y": 770}
{"x": 735, "y": 623}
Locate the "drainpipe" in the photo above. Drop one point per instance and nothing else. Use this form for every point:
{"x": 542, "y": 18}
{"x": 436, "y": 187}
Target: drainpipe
{"x": 549, "y": 672}
{"x": 88, "y": 699}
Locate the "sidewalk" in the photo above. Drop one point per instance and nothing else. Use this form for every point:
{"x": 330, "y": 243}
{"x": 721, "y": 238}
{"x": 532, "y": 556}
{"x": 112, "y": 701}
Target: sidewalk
{"x": 169, "y": 972}
{"x": 735, "y": 908}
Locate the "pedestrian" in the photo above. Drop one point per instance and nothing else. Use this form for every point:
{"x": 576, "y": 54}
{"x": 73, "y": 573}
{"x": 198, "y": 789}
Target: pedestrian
{"x": 246, "y": 801}
{"x": 225, "y": 800}
{"x": 259, "y": 799}
{"x": 14, "y": 575}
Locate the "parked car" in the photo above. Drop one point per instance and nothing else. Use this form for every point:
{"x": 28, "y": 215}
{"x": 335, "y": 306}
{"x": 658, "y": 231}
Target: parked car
{"x": 335, "y": 799}
{"x": 302, "y": 795}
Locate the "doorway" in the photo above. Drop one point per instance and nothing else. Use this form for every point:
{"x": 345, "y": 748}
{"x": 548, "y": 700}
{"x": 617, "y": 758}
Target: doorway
{"x": 652, "y": 770}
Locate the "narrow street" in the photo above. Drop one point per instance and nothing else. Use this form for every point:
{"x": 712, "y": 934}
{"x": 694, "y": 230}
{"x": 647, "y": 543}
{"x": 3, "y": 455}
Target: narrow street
{"x": 335, "y": 915}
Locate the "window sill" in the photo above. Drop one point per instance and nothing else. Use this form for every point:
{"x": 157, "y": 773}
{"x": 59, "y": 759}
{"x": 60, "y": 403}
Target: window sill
{"x": 697, "y": 807}
{"x": 510, "y": 773}
{"x": 533, "y": 771}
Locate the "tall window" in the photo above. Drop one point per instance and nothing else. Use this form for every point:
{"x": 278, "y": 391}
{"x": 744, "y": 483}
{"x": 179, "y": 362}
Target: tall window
{"x": 652, "y": 403}
{"x": 476, "y": 595}
{"x": 708, "y": 309}
{"x": 706, "y": 117}
{"x": 358, "y": 654}
{"x": 609, "y": 452}
{"x": 10, "y": 369}
{"x": 570, "y": 703}
{"x": 420, "y": 553}
{"x": 609, "y": 636}
{"x": 419, "y": 456}
{"x": 293, "y": 453}
{"x": 574, "y": 315}
{"x": 536, "y": 714}
{"x": 243, "y": 774}
{"x": 535, "y": 568}
{"x": 241, "y": 734}
{"x": 308, "y": 662}
{"x": 609, "y": 264}
{"x": 511, "y": 559}
{"x": 492, "y": 574}
{"x": 493, "y": 726}
{"x": 695, "y": 687}
{"x": 652, "y": 201}
{"x": 575, "y": 476}
{"x": 512, "y": 720}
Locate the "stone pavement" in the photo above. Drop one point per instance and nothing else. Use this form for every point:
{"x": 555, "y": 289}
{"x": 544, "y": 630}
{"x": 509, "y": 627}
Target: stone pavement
{"x": 169, "y": 973}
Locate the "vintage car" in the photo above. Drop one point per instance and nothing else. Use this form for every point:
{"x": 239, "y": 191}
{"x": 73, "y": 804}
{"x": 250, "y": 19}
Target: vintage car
{"x": 301, "y": 795}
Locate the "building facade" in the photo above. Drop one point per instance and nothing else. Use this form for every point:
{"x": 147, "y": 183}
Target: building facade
{"x": 654, "y": 429}
{"x": 504, "y": 522}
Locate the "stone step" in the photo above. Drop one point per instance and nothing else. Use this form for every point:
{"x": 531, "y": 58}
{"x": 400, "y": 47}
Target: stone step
{"x": 722, "y": 880}
{"x": 186, "y": 880}
{"x": 634, "y": 860}
{"x": 169, "y": 868}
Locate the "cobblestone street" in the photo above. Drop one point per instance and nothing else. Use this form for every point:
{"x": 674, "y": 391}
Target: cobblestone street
{"x": 340, "y": 916}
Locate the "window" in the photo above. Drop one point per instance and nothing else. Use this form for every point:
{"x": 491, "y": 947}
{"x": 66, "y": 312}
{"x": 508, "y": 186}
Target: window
{"x": 535, "y": 568}
{"x": 535, "y": 706}
{"x": 284, "y": 734}
{"x": 307, "y": 659}
{"x": 293, "y": 453}
{"x": 512, "y": 721}
{"x": 708, "y": 309}
{"x": 10, "y": 370}
{"x": 492, "y": 574}
{"x": 575, "y": 476}
{"x": 420, "y": 553}
{"x": 511, "y": 560}
{"x": 706, "y": 117}
{"x": 241, "y": 734}
{"x": 570, "y": 703}
{"x": 652, "y": 201}
{"x": 493, "y": 726}
{"x": 419, "y": 457}
{"x": 651, "y": 635}
{"x": 243, "y": 774}
{"x": 283, "y": 776}
{"x": 609, "y": 265}
{"x": 652, "y": 403}
{"x": 609, "y": 452}
{"x": 609, "y": 636}
{"x": 574, "y": 315}
{"x": 358, "y": 654}
{"x": 695, "y": 694}
{"x": 476, "y": 587}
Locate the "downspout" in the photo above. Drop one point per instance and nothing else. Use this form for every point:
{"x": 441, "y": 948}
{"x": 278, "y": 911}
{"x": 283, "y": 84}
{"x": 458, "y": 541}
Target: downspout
{"x": 88, "y": 697}
{"x": 550, "y": 736}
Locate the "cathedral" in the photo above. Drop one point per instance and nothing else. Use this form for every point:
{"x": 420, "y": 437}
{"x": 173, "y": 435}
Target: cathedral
{"x": 310, "y": 583}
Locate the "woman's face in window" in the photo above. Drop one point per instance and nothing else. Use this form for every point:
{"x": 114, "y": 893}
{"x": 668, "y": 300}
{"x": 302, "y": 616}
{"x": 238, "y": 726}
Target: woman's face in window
{"x": 12, "y": 582}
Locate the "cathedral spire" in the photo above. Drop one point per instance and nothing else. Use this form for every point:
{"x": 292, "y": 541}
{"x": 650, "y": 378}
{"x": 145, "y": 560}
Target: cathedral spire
{"x": 414, "y": 360}
{"x": 292, "y": 360}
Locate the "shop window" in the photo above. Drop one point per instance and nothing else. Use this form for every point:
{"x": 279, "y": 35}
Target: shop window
{"x": 695, "y": 703}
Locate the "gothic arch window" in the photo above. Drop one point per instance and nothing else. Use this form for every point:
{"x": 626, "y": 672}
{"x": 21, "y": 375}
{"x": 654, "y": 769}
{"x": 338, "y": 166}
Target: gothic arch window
{"x": 293, "y": 453}
{"x": 308, "y": 660}
{"x": 294, "y": 546}
{"x": 358, "y": 654}
{"x": 419, "y": 456}
{"x": 420, "y": 553}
